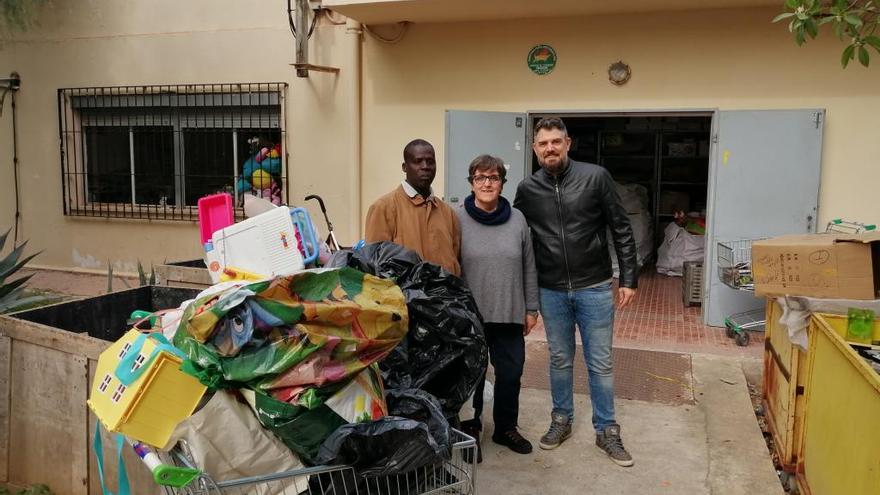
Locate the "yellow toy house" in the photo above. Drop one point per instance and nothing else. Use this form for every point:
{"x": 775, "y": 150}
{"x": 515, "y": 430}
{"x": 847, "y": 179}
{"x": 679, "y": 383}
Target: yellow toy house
{"x": 139, "y": 389}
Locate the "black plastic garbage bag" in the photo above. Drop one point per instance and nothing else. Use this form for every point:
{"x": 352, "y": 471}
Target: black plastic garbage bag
{"x": 390, "y": 445}
{"x": 383, "y": 259}
{"x": 439, "y": 478}
{"x": 444, "y": 352}
{"x": 425, "y": 408}
{"x": 413, "y": 435}
{"x": 403, "y": 453}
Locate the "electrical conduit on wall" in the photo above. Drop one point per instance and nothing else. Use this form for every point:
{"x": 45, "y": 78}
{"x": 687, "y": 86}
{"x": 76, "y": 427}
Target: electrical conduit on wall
{"x": 12, "y": 85}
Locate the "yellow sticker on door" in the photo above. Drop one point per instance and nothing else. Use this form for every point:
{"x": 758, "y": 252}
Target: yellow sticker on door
{"x": 725, "y": 157}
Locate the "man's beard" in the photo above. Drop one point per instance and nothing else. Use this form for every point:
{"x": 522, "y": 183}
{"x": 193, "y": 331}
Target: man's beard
{"x": 555, "y": 168}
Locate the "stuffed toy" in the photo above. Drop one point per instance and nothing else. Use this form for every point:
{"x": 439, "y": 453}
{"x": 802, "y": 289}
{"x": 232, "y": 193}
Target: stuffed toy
{"x": 259, "y": 171}
{"x": 272, "y": 192}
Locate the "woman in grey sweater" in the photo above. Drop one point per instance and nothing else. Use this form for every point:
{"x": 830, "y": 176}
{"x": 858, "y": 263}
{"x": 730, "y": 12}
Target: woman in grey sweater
{"x": 498, "y": 265}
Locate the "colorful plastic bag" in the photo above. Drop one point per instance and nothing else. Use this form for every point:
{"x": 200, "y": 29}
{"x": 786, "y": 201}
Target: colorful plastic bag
{"x": 445, "y": 351}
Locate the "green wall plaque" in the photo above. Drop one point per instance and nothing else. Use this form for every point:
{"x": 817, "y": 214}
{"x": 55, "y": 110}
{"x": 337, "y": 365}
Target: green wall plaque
{"x": 541, "y": 59}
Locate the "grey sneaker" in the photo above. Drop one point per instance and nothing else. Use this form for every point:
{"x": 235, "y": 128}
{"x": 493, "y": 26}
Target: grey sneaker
{"x": 609, "y": 440}
{"x": 560, "y": 429}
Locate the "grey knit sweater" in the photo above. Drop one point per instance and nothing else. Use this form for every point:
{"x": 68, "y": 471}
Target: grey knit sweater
{"x": 498, "y": 265}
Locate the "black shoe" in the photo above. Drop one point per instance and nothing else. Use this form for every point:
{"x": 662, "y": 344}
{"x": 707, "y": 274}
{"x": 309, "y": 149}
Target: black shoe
{"x": 471, "y": 429}
{"x": 512, "y": 440}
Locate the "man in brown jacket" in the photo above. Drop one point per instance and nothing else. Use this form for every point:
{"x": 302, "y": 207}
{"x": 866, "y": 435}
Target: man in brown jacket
{"x": 413, "y": 217}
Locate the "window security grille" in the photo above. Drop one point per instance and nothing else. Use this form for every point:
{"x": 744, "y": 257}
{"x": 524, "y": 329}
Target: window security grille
{"x": 152, "y": 151}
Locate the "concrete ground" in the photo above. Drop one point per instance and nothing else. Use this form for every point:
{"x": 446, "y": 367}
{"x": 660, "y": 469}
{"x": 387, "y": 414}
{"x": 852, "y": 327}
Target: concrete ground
{"x": 711, "y": 447}
{"x": 710, "y": 444}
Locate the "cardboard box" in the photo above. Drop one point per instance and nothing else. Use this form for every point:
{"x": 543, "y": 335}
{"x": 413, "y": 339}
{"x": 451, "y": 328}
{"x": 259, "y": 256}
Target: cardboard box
{"x": 832, "y": 266}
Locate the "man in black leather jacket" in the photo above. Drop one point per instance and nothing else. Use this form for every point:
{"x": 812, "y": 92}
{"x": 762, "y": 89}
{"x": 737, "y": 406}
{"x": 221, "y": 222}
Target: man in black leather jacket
{"x": 570, "y": 206}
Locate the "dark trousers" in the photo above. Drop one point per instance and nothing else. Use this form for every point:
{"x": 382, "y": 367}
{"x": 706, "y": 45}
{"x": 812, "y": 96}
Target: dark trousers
{"x": 507, "y": 353}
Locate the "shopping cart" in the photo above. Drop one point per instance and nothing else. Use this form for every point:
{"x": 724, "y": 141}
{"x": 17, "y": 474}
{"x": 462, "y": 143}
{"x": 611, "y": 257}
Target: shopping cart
{"x": 735, "y": 264}
{"x": 456, "y": 476}
{"x": 735, "y": 270}
{"x": 847, "y": 227}
{"x": 740, "y": 324}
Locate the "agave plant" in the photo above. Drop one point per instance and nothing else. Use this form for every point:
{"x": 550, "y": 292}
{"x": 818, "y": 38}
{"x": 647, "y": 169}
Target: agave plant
{"x": 142, "y": 278}
{"x": 12, "y": 292}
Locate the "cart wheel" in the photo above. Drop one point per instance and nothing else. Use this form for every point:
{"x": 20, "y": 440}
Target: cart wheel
{"x": 742, "y": 339}
{"x": 729, "y": 331}
{"x": 789, "y": 482}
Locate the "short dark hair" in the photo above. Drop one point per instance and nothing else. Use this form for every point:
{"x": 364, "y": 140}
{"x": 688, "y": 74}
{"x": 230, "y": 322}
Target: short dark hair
{"x": 487, "y": 163}
{"x": 549, "y": 124}
{"x": 407, "y": 150}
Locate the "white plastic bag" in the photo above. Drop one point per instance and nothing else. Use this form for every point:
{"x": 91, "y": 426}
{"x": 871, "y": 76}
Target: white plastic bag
{"x": 488, "y": 393}
{"x": 678, "y": 246}
{"x": 643, "y": 233}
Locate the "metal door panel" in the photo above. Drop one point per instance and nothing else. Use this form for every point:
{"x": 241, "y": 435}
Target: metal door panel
{"x": 473, "y": 133}
{"x": 764, "y": 182}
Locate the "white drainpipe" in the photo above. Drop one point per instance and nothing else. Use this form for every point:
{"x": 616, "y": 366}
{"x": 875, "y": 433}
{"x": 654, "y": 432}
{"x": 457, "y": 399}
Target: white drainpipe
{"x": 353, "y": 66}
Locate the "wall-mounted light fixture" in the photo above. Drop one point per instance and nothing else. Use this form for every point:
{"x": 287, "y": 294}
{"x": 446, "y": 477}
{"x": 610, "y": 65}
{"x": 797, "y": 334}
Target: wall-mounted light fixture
{"x": 619, "y": 73}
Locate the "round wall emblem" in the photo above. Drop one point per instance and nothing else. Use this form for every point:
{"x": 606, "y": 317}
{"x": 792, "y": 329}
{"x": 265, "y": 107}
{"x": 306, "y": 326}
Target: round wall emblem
{"x": 541, "y": 59}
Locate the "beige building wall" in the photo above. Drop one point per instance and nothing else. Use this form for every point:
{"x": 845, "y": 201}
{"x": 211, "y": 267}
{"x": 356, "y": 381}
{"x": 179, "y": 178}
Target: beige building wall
{"x": 726, "y": 59}
{"x": 110, "y": 42}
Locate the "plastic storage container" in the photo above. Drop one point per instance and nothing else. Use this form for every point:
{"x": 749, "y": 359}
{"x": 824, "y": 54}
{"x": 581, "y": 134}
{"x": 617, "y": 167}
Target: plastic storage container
{"x": 692, "y": 283}
{"x": 215, "y": 213}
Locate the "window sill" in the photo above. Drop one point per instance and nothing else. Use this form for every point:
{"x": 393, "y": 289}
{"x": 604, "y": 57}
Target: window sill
{"x": 127, "y": 211}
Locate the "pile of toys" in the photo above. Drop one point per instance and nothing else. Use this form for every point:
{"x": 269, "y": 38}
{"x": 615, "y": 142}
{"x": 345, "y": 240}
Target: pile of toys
{"x": 276, "y": 365}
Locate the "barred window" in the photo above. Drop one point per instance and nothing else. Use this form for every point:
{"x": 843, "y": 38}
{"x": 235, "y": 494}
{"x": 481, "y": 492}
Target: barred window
{"x": 153, "y": 151}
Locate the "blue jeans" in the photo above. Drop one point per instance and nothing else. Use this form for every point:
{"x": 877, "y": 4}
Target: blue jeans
{"x": 593, "y": 311}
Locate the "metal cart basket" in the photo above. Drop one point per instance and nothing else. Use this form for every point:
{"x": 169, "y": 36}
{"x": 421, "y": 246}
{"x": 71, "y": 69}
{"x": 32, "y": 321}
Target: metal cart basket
{"x": 740, "y": 324}
{"x": 454, "y": 476}
{"x": 847, "y": 227}
{"x": 735, "y": 264}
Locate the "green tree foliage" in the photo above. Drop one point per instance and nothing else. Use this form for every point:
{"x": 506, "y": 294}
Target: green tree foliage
{"x": 19, "y": 14}
{"x": 31, "y": 490}
{"x": 852, "y": 21}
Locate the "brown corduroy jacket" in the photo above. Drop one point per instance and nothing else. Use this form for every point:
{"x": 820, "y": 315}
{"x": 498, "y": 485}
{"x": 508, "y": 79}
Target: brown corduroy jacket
{"x": 428, "y": 227}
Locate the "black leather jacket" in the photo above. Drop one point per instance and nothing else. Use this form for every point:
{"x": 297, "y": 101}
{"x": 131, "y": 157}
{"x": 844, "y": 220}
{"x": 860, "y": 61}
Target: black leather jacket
{"x": 568, "y": 215}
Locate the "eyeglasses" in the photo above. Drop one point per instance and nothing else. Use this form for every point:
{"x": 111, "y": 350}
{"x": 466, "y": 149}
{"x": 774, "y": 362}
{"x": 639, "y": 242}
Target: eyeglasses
{"x": 481, "y": 179}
